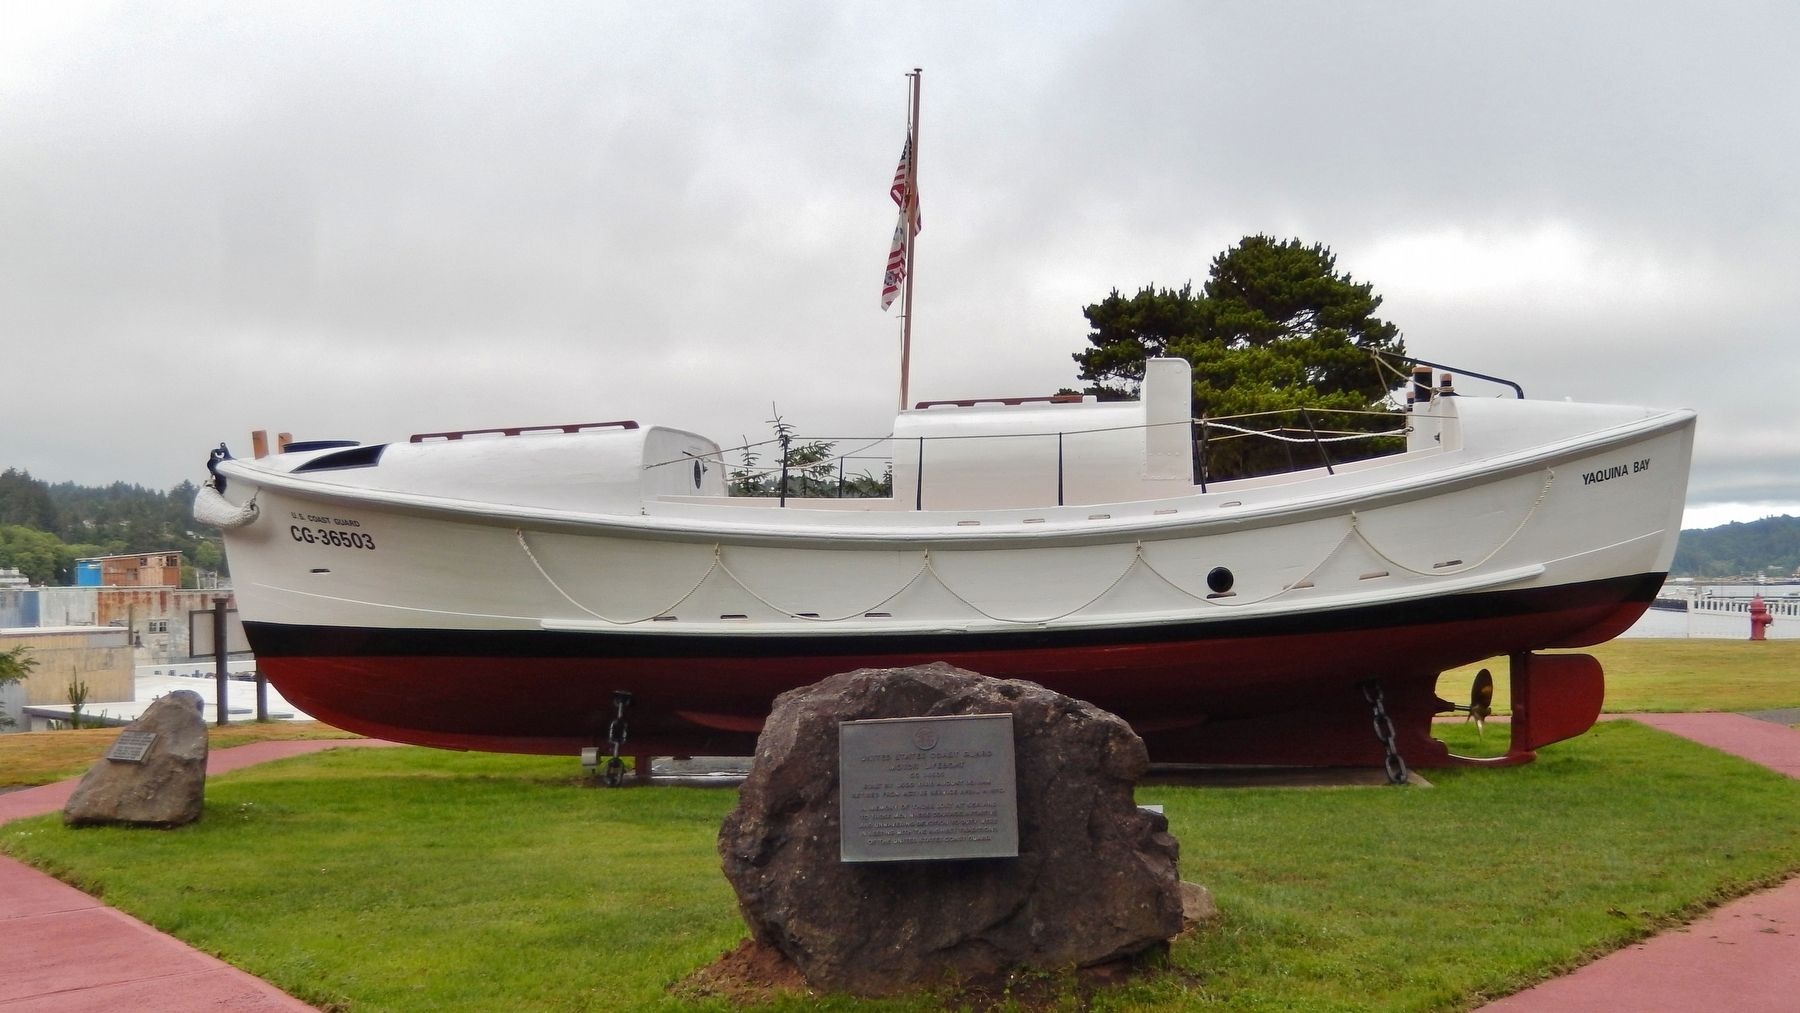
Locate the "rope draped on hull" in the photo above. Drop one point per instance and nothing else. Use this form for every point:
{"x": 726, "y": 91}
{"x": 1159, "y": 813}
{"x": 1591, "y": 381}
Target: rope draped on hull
{"x": 1138, "y": 560}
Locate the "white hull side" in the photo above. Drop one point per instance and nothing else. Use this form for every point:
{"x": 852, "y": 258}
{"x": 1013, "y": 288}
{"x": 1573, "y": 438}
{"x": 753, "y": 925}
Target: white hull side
{"x": 1538, "y": 525}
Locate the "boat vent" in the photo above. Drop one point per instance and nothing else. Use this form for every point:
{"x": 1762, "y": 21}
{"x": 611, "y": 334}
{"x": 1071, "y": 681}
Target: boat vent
{"x": 356, "y": 457}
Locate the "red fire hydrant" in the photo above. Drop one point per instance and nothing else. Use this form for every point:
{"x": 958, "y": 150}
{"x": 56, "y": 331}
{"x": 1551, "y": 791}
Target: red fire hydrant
{"x": 1759, "y": 618}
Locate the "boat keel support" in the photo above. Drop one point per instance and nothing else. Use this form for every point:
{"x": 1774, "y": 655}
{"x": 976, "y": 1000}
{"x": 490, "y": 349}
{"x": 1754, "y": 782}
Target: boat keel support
{"x": 1554, "y": 697}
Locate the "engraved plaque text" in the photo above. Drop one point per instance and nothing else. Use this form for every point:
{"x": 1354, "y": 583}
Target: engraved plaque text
{"x": 912, "y": 789}
{"x": 131, "y": 747}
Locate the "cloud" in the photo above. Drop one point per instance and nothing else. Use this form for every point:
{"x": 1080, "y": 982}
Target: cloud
{"x": 1553, "y": 262}
{"x": 364, "y": 221}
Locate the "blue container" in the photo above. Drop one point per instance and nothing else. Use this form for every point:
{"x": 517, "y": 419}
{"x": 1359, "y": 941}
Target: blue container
{"x": 19, "y": 607}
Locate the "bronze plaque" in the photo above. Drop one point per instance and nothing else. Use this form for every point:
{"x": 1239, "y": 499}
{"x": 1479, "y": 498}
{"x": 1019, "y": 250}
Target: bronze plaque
{"x": 131, "y": 747}
{"x": 922, "y": 789}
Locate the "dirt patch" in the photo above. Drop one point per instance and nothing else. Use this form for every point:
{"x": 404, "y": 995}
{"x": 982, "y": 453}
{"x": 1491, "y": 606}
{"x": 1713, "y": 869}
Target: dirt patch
{"x": 750, "y": 974}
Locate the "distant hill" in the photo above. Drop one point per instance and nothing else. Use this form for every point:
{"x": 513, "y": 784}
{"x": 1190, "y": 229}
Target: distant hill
{"x": 44, "y": 528}
{"x": 1771, "y": 546}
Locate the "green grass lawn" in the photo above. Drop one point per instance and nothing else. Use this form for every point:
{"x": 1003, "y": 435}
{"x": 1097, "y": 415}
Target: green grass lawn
{"x": 410, "y": 879}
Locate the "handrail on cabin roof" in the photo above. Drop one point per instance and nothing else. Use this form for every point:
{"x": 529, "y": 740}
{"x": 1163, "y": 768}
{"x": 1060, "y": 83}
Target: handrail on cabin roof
{"x": 571, "y": 427}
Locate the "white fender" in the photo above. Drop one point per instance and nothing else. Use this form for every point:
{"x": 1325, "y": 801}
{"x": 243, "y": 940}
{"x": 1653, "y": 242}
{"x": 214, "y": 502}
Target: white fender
{"x": 212, "y": 508}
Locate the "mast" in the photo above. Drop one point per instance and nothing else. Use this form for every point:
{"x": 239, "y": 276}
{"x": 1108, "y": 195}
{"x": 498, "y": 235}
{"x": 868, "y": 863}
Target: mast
{"x": 912, "y": 226}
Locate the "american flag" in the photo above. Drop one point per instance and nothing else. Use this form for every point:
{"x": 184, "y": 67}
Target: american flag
{"x": 904, "y": 195}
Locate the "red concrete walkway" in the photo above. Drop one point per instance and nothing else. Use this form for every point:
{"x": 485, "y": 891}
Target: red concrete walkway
{"x": 1743, "y": 957}
{"x": 1776, "y": 747}
{"x": 62, "y": 951}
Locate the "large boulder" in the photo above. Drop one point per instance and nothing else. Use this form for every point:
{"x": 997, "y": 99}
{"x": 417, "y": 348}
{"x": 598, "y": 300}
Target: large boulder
{"x": 167, "y": 788}
{"x": 1095, "y": 878}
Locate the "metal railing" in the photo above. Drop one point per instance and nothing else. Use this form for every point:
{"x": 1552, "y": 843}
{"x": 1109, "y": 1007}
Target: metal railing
{"x": 828, "y": 476}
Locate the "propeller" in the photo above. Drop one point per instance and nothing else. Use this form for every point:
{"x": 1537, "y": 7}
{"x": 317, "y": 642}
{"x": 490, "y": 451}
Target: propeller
{"x": 1481, "y": 700}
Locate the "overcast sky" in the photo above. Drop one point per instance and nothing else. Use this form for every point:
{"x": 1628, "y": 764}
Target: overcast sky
{"x": 364, "y": 220}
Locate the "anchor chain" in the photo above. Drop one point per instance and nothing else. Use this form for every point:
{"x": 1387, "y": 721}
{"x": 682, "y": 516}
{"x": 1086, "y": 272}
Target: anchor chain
{"x": 616, "y": 733}
{"x": 1384, "y": 730}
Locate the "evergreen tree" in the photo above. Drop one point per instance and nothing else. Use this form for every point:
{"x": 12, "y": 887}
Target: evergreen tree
{"x": 810, "y": 467}
{"x": 25, "y": 500}
{"x": 1275, "y": 327}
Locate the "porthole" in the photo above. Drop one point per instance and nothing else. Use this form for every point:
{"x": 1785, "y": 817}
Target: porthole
{"x": 1219, "y": 579}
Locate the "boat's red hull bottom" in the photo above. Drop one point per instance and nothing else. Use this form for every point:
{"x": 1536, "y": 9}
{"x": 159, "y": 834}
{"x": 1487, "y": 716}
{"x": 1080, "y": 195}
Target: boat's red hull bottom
{"x": 1270, "y": 691}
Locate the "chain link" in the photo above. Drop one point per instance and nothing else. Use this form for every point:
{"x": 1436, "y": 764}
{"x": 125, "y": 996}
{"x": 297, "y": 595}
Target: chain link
{"x": 616, "y": 733}
{"x": 1384, "y": 730}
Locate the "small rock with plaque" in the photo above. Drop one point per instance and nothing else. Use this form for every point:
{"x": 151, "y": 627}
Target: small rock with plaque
{"x": 913, "y": 789}
{"x": 153, "y": 774}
